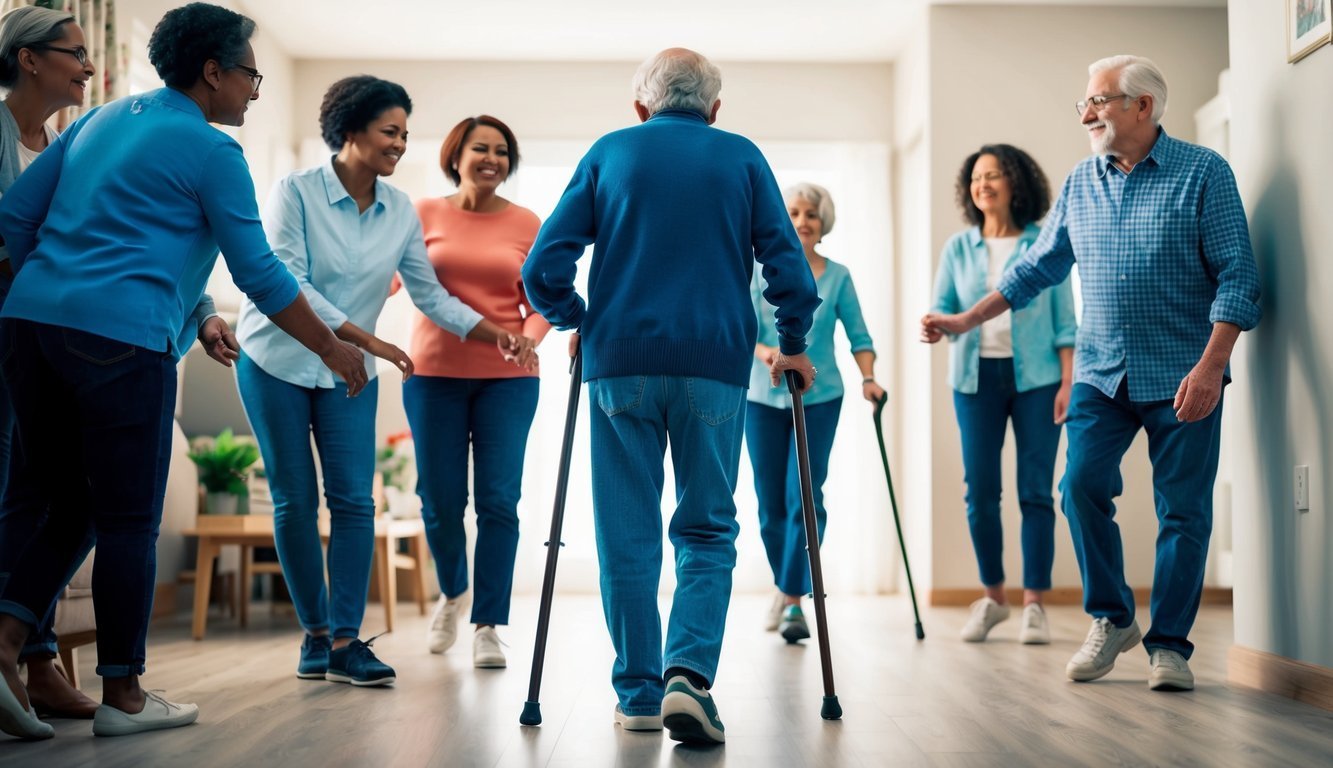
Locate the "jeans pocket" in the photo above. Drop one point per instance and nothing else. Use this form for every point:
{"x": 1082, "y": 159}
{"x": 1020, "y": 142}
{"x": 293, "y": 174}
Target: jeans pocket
{"x": 618, "y": 394}
{"x": 95, "y": 349}
{"x": 714, "y": 402}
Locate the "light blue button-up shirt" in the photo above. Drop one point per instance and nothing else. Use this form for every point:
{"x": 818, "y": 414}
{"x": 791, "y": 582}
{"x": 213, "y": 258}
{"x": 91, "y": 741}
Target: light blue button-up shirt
{"x": 839, "y": 302}
{"x": 1163, "y": 252}
{"x": 344, "y": 261}
{"x": 1038, "y": 330}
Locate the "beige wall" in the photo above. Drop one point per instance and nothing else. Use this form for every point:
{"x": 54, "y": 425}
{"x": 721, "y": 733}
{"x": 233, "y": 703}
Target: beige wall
{"x": 1010, "y": 74}
{"x": 1282, "y": 155}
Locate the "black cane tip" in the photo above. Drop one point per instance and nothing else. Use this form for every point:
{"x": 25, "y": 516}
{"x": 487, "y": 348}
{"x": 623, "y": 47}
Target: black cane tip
{"x": 920, "y": 632}
{"x": 532, "y": 713}
{"x": 831, "y": 710}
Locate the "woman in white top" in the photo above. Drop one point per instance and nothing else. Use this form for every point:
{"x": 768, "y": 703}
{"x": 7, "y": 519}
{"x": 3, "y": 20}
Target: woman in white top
{"x": 44, "y": 66}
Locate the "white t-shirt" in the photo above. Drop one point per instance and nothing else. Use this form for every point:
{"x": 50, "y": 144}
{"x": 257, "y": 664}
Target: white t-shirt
{"x": 26, "y": 156}
{"x": 996, "y": 339}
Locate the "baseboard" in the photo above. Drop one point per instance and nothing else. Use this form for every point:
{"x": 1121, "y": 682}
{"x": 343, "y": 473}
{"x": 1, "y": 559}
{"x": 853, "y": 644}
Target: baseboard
{"x": 1304, "y": 682}
{"x": 164, "y": 600}
{"x": 1062, "y": 596}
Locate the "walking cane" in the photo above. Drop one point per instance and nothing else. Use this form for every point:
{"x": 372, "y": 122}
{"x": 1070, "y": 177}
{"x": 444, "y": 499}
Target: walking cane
{"x": 532, "y": 709}
{"x": 831, "y": 709}
{"x": 884, "y": 455}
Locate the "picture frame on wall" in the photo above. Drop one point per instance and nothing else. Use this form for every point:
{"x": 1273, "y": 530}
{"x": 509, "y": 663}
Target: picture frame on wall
{"x": 1309, "y": 25}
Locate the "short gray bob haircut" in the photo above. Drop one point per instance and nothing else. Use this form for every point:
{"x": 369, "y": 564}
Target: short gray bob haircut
{"x": 816, "y": 196}
{"x": 677, "y": 78}
{"x": 24, "y": 28}
{"x": 1138, "y": 76}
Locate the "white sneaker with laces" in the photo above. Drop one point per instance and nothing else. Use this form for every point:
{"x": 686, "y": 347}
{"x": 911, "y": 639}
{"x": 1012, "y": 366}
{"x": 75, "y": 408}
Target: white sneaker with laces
{"x": 1105, "y": 641}
{"x": 638, "y": 722}
{"x": 986, "y": 613}
{"x": 774, "y": 616}
{"x": 158, "y": 713}
{"x": 1169, "y": 671}
{"x": 1036, "y": 630}
{"x": 486, "y": 653}
{"x": 443, "y": 629}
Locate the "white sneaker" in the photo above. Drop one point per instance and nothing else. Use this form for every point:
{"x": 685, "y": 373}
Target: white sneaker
{"x": 1105, "y": 641}
{"x": 774, "y": 616}
{"x": 986, "y": 613}
{"x": 443, "y": 629}
{"x": 1036, "y": 630}
{"x": 16, "y": 720}
{"x": 486, "y": 653}
{"x": 158, "y": 713}
{"x": 638, "y": 722}
{"x": 1168, "y": 671}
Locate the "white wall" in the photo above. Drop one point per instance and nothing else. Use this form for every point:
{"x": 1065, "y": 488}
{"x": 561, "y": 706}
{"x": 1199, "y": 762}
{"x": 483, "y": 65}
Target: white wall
{"x": 1282, "y": 155}
{"x": 1011, "y": 74}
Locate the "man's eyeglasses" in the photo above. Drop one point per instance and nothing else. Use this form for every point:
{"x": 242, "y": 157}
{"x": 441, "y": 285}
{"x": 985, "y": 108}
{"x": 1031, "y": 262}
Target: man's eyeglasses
{"x": 1097, "y": 102}
{"x": 79, "y": 53}
{"x": 255, "y": 77}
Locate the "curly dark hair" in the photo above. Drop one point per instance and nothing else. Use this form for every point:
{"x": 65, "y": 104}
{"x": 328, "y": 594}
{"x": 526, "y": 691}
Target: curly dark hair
{"x": 189, "y": 36}
{"x": 1031, "y": 192}
{"x": 452, "y": 148}
{"x": 352, "y": 103}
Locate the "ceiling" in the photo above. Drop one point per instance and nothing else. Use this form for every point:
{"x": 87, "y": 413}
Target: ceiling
{"x": 603, "y": 30}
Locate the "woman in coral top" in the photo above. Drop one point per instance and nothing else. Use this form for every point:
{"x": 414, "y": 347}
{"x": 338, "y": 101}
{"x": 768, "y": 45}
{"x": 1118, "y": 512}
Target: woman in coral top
{"x": 465, "y": 393}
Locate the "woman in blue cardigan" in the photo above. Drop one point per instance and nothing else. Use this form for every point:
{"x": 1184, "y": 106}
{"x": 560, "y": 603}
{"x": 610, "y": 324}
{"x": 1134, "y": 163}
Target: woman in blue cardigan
{"x": 1016, "y": 368}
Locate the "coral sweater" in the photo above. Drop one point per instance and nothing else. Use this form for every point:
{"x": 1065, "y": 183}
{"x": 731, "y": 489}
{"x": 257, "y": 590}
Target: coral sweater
{"x": 478, "y": 258}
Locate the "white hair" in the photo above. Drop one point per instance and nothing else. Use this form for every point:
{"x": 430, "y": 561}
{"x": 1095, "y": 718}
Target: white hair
{"x": 1138, "y": 76}
{"x": 816, "y": 196}
{"x": 24, "y": 28}
{"x": 677, "y": 79}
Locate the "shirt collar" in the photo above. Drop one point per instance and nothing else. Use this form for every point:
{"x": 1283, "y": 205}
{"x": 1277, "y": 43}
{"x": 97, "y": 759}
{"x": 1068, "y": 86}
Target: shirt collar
{"x": 1027, "y": 236}
{"x": 674, "y": 112}
{"x": 177, "y": 100}
{"x": 1163, "y": 149}
{"x": 333, "y": 186}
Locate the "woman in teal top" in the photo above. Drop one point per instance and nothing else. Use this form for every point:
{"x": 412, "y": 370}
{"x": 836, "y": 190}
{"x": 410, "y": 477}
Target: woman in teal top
{"x": 768, "y": 420}
{"x": 1017, "y": 367}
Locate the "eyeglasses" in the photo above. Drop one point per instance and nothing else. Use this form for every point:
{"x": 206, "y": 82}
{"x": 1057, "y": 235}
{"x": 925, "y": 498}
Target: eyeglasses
{"x": 79, "y": 53}
{"x": 1097, "y": 102}
{"x": 255, "y": 77}
{"x": 988, "y": 176}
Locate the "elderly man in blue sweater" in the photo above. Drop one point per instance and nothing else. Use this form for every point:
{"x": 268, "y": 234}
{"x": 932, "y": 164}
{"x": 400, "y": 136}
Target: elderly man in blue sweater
{"x": 677, "y": 213}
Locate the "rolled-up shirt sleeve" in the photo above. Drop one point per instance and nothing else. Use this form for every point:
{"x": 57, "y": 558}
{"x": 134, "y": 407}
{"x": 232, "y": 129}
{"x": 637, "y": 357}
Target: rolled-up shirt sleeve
{"x": 1226, "y": 248}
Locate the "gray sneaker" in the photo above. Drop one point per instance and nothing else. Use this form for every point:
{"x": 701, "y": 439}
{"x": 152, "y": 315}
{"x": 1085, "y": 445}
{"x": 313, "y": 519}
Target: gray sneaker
{"x": 986, "y": 613}
{"x": 1168, "y": 671}
{"x": 1105, "y": 641}
{"x": 774, "y": 616}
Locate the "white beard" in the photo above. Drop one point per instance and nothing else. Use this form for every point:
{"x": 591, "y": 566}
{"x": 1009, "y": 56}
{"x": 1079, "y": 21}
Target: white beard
{"x": 1101, "y": 145}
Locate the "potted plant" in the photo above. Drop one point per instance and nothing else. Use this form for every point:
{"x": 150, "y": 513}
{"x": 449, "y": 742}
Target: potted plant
{"x": 224, "y": 465}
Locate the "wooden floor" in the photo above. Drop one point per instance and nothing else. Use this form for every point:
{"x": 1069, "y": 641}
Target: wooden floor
{"x": 940, "y": 702}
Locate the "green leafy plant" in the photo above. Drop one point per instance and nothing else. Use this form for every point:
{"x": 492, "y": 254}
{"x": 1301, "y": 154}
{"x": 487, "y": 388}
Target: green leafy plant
{"x": 224, "y": 463}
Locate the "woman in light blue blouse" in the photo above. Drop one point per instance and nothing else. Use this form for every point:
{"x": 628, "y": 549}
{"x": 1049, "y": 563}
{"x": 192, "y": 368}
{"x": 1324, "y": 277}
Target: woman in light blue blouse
{"x": 1016, "y": 368}
{"x": 343, "y": 233}
{"x": 768, "y": 420}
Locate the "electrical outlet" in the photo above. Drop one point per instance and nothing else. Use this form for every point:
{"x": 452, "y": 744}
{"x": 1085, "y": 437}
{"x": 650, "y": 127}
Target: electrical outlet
{"x": 1302, "y": 488}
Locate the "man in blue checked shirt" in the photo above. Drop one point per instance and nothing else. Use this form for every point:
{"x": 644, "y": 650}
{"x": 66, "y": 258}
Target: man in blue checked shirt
{"x": 1169, "y": 282}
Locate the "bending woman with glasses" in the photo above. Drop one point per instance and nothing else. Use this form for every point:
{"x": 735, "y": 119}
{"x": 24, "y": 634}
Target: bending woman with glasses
{"x": 44, "y": 66}
{"x": 1018, "y": 367}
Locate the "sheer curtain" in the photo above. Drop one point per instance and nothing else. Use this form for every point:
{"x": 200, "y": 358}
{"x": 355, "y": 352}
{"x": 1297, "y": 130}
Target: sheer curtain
{"x": 106, "y": 50}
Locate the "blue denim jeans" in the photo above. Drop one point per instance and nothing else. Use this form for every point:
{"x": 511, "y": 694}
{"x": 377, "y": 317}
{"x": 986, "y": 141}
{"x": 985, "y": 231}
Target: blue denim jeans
{"x": 633, "y": 420}
{"x": 982, "y": 420}
{"x": 1184, "y": 466}
{"x": 494, "y": 416}
{"x": 95, "y": 423}
{"x": 283, "y": 417}
{"x": 771, "y": 440}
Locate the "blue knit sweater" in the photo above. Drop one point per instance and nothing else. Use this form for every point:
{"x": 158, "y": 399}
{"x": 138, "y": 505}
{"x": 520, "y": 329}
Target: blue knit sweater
{"x": 677, "y": 213}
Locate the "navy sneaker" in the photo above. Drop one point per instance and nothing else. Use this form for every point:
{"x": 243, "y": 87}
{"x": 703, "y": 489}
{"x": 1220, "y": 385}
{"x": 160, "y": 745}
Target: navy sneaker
{"x": 314, "y": 657}
{"x": 356, "y": 664}
{"x": 793, "y": 627}
{"x": 690, "y": 715}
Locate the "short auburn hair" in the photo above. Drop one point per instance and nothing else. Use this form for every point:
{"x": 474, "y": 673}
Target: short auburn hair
{"x": 452, "y": 148}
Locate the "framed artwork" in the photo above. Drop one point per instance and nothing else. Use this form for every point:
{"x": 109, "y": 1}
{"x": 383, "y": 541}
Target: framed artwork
{"x": 1309, "y": 23}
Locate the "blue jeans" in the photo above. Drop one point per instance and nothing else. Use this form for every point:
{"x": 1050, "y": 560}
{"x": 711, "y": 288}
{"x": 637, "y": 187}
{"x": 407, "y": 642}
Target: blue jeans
{"x": 494, "y": 416}
{"x": 632, "y": 417}
{"x": 770, "y": 438}
{"x": 283, "y": 416}
{"x": 982, "y": 421}
{"x": 1184, "y": 464}
{"x": 95, "y": 423}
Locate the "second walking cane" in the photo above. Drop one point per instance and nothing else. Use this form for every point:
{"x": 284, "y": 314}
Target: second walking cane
{"x": 831, "y": 709}
{"x": 893, "y": 500}
{"x": 532, "y": 710}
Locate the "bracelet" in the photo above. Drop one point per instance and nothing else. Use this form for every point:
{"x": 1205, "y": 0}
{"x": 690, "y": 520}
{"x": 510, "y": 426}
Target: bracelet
{"x": 868, "y": 380}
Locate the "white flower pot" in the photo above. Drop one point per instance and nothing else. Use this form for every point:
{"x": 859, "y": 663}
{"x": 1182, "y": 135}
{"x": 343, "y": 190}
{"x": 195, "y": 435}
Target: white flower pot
{"x": 222, "y": 503}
